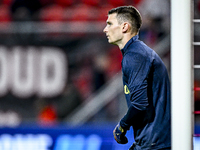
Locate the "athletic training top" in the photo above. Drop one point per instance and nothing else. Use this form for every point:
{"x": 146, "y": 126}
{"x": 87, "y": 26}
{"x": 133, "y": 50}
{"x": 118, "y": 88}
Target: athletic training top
{"x": 147, "y": 92}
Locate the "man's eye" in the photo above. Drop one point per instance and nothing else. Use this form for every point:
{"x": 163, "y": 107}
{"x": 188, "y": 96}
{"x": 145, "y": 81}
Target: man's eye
{"x": 109, "y": 23}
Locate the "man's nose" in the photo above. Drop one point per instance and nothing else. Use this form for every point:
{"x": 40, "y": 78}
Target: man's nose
{"x": 105, "y": 30}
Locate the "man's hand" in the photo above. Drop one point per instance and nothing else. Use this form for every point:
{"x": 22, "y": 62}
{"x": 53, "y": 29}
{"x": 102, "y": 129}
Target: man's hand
{"x": 119, "y": 135}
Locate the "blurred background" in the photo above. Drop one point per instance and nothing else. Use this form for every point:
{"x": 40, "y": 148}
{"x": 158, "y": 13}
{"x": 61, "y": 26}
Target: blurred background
{"x": 60, "y": 79}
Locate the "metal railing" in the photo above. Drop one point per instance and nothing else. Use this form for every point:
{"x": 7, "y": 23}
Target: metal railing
{"x": 52, "y": 27}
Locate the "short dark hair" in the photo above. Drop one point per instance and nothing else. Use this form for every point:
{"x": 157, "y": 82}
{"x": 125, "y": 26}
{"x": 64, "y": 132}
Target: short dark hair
{"x": 129, "y": 14}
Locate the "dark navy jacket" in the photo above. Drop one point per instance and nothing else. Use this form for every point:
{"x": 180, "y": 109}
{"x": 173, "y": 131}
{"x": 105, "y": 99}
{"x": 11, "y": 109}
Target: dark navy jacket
{"x": 147, "y": 91}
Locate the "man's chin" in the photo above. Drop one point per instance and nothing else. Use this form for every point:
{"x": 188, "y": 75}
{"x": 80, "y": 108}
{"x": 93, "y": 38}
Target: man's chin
{"x": 111, "y": 42}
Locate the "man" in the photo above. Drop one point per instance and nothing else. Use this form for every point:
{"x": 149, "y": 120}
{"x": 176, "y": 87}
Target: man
{"x": 146, "y": 84}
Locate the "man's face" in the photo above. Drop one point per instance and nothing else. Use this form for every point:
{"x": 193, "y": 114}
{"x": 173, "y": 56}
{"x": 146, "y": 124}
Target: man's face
{"x": 113, "y": 30}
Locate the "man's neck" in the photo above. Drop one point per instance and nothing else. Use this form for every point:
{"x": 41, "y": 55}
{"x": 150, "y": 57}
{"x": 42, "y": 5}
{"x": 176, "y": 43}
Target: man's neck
{"x": 125, "y": 40}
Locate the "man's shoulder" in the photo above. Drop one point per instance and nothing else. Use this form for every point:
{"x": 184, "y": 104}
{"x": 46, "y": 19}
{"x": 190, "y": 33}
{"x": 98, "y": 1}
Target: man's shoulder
{"x": 140, "y": 50}
{"x": 140, "y": 47}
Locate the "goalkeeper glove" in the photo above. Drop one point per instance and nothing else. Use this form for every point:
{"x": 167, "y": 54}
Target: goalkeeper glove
{"x": 119, "y": 135}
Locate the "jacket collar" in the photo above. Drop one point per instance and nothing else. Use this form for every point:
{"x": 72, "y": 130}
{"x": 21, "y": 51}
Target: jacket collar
{"x": 133, "y": 39}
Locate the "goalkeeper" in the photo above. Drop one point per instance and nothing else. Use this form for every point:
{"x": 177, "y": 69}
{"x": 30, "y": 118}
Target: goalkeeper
{"x": 146, "y": 84}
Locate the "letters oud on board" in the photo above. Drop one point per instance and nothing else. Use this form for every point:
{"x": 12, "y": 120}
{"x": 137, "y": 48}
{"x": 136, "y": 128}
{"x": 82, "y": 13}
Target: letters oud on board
{"x": 32, "y": 70}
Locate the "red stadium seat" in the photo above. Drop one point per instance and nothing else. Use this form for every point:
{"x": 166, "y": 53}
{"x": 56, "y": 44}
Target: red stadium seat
{"x": 116, "y": 3}
{"x": 103, "y": 12}
{"x": 4, "y": 13}
{"x": 64, "y": 3}
{"x": 7, "y": 2}
{"x": 83, "y": 12}
{"x": 52, "y": 13}
{"x": 91, "y": 2}
{"x": 136, "y": 2}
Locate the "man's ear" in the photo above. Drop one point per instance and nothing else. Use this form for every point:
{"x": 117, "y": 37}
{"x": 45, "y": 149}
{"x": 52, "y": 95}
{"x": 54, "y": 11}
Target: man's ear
{"x": 125, "y": 27}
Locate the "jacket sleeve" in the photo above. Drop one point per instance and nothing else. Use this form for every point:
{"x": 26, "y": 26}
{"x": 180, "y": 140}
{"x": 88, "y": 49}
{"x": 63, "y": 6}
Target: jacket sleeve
{"x": 136, "y": 68}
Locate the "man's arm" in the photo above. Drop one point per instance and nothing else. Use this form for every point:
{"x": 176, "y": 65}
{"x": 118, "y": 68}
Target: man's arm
{"x": 120, "y": 130}
{"x": 136, "y": 71}
{"x": 128, "y": 119}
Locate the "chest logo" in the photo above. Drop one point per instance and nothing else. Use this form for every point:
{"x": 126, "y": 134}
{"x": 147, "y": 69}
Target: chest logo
{"x": 126, "y": 90}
